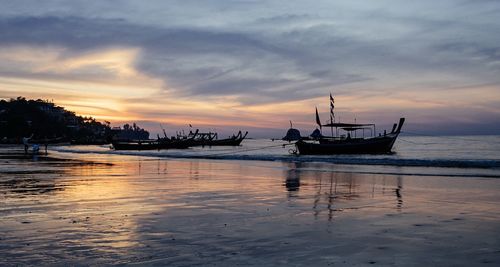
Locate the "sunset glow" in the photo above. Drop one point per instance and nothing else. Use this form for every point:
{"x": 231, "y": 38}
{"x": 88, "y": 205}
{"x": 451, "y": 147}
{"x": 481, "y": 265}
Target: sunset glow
{"x": 271, "y": 68}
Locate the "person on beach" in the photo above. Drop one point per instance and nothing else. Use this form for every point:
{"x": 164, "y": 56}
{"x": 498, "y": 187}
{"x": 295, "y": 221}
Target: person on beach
{"x": 46, "y": 144}
{"x": 26, "y": 143}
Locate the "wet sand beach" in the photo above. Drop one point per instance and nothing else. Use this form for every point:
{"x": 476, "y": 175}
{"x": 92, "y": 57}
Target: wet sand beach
{"x": 86, "y": 209}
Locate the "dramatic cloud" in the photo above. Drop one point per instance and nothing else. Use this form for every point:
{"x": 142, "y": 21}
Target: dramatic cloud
{"x": 254, "y": 55}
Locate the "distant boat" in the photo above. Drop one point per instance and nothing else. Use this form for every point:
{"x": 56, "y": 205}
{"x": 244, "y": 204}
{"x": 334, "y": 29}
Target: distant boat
{"x": 347, "y": 144}
{"x": 158, "y": 144}
{"x": 211, "y": 139}
{"x": 149, "y": 145}
{"x": 180, "y": 141}
{"x": 234, "y": 140}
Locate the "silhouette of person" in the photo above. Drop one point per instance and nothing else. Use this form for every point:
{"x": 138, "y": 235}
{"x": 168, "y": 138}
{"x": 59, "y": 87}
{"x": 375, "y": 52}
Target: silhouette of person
{"x": 26, "y": 143}
{"x": 46, "y": 144}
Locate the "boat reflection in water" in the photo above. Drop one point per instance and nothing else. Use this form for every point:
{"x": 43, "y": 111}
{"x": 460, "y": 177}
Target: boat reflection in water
{"x": 292, "y": 175}
{"x": 332, "y": 191}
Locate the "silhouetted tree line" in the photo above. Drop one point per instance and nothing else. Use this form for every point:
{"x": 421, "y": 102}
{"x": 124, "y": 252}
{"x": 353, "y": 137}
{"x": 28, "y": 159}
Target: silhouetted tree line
{"x": 21, "y": 118}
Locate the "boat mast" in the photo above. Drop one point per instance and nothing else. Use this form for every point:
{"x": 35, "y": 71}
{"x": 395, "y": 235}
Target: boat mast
{"x": 355, "y": 129}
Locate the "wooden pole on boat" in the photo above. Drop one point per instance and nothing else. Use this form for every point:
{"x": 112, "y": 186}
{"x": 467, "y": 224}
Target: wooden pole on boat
{"x": 337, "y": 129}
{"x": 331, "y": 123}
{"x": 355, "y": 126}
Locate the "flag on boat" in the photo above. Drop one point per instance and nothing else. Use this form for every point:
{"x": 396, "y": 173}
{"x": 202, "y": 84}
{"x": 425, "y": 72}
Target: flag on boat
{"x": 332, "y": 106}
{"x": 318, "y": 121}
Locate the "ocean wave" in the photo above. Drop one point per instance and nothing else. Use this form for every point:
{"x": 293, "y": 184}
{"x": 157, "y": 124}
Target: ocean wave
{"x": 382, "y": 160}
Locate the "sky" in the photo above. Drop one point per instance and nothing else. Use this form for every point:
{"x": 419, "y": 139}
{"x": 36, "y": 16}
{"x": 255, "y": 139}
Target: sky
{"x": 255, "y": 65}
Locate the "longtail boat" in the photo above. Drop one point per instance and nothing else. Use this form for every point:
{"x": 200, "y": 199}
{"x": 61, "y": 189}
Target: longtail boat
{"x": 149, "y": 145}
{"x": 198, "y": 138}
{"x": 346, "y": 145}
{"x": 211, "y": 139}
{"x": 318, "y": 144}
{"x": 234, "y": 140}
{"x": 160, "y": 143}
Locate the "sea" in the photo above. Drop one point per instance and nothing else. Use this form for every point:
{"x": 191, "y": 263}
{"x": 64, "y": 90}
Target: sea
{"x": 469, "y": 156}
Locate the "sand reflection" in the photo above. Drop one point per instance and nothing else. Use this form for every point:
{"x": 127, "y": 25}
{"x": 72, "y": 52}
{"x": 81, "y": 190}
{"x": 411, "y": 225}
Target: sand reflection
{"x": 104, "y": 202}
{"x": 202, "y": 212}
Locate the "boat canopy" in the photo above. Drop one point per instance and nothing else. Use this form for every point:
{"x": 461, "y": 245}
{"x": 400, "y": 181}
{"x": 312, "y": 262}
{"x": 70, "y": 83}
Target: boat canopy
{"x": 346, "y": 125}
{"x": 350, "y": 129}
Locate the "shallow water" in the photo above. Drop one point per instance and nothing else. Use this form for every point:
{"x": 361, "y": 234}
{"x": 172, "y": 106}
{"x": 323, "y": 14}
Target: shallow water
{"x": 187, "y": 212}
{"x": 445, "y": 151}
{"x": 465, "y": 156}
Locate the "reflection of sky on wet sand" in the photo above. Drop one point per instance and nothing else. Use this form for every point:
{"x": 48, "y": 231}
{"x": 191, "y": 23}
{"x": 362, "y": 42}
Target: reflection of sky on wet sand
{"x": 216, "y": 212}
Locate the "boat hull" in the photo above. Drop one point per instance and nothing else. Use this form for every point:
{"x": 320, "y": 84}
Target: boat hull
{"x": 232, "y": 141}
{"x": 149, "y": 145}
{"x": 377, "y": 145}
